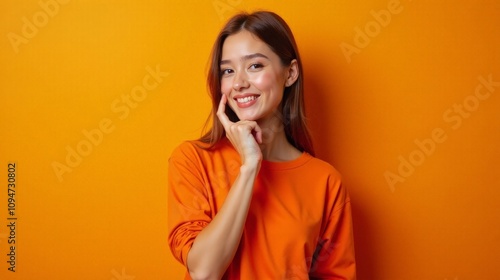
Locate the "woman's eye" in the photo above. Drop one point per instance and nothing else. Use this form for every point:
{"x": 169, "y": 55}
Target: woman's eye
{"x": 255, "y": 66}
{"x": 226, "y": 71}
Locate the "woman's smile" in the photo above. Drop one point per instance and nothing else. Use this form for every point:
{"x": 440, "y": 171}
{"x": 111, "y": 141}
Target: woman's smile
{"x": 246, "y": 100}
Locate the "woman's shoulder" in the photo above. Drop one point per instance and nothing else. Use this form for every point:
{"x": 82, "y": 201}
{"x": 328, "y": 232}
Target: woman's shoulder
{"x": 322, "y": 166}
{"x": 189, "y": 148}
{"x": 327, "y": 175}
{"x": 197, "y": 148}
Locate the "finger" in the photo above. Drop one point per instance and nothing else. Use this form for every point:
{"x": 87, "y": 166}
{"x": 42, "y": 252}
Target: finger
{"x": 221, "y": 113}
{"x": 257, "y": 133}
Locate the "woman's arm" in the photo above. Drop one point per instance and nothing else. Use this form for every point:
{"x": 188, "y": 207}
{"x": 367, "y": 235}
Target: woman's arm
{"x": 215, "y": 246}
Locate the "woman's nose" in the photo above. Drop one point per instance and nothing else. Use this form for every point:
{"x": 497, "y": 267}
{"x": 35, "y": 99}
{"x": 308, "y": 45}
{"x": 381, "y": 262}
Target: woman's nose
{"x": 240, "y": 81}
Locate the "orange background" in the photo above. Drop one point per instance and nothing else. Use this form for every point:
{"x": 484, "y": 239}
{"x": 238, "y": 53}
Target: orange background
{"x": 72, "y": 68}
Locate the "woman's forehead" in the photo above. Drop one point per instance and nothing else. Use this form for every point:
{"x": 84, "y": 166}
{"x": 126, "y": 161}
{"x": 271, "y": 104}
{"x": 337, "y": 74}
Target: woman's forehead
{"x": 242, "y": 45}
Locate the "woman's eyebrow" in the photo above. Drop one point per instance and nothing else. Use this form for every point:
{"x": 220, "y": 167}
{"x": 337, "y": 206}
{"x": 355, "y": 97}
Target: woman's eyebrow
{"x": 246, "y": 57}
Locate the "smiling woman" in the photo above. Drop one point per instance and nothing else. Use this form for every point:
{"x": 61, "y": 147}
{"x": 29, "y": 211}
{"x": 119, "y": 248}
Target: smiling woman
{"x": 253, "y": 78}
{"x": 274, "y": 211}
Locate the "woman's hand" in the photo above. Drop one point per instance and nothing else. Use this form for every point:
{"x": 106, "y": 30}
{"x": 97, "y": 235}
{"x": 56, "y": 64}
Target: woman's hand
{"x": 215, "y": 246}
{"x": 244, "y": 135}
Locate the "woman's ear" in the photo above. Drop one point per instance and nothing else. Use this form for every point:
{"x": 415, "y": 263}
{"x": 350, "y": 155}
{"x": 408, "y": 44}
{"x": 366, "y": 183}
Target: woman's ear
{"x": 292, "y": 73}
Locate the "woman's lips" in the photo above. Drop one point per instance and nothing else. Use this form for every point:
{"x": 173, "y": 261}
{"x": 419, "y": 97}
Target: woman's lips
{"x": 246, "y": 100}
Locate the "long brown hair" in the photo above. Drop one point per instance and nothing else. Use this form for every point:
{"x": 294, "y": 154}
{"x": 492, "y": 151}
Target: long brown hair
{"x": 272, "y": 30}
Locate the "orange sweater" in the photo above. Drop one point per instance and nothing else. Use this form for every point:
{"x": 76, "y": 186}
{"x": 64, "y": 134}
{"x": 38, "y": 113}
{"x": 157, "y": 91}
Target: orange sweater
{"x": 299, "y": 222}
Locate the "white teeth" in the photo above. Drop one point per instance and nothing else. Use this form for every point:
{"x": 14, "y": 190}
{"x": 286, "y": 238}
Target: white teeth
{"x": 246, "y": 99}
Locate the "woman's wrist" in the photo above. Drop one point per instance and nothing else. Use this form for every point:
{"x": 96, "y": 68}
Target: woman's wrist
{"x": 250, "y": 167}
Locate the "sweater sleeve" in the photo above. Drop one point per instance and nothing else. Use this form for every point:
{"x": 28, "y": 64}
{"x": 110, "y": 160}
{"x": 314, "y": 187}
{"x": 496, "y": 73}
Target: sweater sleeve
{"x": 189, "y": 211}
{"x": 334, "y": 255}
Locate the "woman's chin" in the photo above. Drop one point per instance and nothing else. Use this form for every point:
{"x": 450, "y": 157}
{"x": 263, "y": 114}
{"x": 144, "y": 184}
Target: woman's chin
{"x": 247, "y": 117}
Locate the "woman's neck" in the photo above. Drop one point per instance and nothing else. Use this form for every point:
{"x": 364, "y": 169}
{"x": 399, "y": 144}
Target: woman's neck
{"x": 275, "y": 145}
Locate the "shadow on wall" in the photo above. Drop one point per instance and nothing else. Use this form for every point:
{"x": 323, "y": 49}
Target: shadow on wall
{"x": 323, "y": 111}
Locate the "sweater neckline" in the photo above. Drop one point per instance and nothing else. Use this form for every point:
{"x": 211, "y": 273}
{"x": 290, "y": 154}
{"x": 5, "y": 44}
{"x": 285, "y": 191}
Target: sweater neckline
{"x": 284, "y": 165}
{"x": 278, "y": 165}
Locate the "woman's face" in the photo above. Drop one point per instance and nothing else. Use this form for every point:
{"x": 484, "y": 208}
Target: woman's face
{"x": 253, "y": 77}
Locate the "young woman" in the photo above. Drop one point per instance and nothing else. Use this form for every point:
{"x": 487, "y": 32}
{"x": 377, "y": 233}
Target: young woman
{"x": 249, "y": 200}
